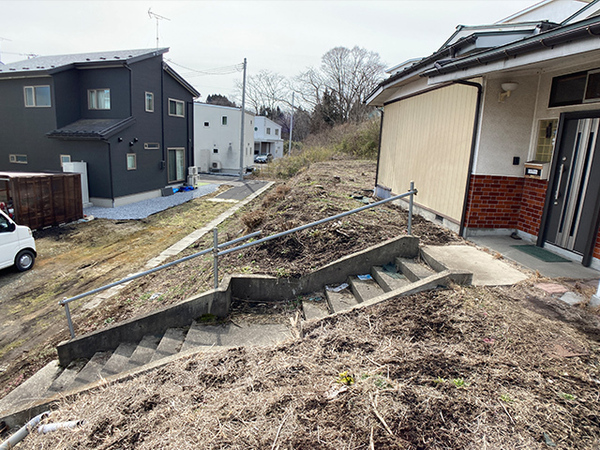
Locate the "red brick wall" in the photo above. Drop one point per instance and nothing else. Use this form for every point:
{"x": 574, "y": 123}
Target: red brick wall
{"x": 532, "y": 205}
{"x": 494, "y": 202}
{"x": 597, "y": 247}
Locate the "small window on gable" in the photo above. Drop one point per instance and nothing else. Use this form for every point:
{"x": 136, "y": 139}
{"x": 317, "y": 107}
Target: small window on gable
{"x": 545, "y": 140}
{"x": 149, "y": 99}
{"x": 176, "y": 108}
{"x": 215, "y": 150}
{"x": 224, "y": 120}
{"x": 17, "y": 159}
{"x": 64, "y": 159}
{"x": 37, "y": 96}
{"x": 276, "y": 131}
{"x": 131, "y": 161}
{"x": 268, "y": 131}
{"x": 99, "y": 98}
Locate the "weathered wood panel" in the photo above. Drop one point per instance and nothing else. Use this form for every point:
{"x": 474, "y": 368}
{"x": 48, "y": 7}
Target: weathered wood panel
{"x": 427, "y": 139}
{"x": 42, "y": 200}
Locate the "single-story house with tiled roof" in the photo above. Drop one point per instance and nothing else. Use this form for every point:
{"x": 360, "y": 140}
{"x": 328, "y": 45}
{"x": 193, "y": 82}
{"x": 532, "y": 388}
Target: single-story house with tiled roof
{"x": 127, "y": 114}
{"x": 498, "y": 129}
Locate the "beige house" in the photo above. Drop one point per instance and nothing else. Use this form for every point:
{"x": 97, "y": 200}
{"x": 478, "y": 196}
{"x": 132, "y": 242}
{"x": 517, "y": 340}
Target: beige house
{"x": 498, "y": 129}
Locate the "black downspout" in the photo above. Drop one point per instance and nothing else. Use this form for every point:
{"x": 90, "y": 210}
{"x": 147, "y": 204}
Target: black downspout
{"x": 379, "y": 150}
{"x": 472, "y": 155}
{"x": 110, "y": 173}
{"x": 130, "y": 89}
{"x": 162, "y": 120}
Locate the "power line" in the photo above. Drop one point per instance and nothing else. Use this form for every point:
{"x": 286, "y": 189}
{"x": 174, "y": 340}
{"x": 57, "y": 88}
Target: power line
{"x": 227, "y": 70}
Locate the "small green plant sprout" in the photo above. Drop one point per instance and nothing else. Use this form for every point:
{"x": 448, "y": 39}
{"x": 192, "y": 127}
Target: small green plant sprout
{"x": 506, "y": 398}
{"x": 382, "y": 383}
{"x": 567, "y": 396}
{"x": 459, "y": 382}
{"x": 439, "y": 380}
{"x": 206, "y": 318}
{"x": 345, "y": 378}
{"x": 282, "y": 272}
{"x": 109, "y": 320}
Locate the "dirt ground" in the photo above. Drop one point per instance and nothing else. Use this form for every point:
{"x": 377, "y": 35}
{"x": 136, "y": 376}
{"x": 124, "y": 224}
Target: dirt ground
{"x": 460, "y": 368}
{"x": 464, "y": 368}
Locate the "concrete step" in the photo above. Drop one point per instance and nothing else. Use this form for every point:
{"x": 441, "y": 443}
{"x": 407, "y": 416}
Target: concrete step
{"x": 119, "y": 360}
{"x": 144, "y": 351}
{"x": 341, "y": 301}
{"x": 389, "y": 279}
{"x": 413, "y": 270}
{"x": 314, "y": 309}
{"x": 91, "y": 372}
{"x": 67, "y": 376}
{"x": 233, "y": 335}
{"x": 170, "y": 343}
{"x": 365, "y": 290}
{"x": 34, "y": 389}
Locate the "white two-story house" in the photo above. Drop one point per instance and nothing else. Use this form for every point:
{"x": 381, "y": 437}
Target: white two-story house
{"x": 267, "y": 137}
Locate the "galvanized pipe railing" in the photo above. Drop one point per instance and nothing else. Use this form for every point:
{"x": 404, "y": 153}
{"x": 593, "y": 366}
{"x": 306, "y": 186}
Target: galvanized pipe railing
{"x": 216, "y": 246}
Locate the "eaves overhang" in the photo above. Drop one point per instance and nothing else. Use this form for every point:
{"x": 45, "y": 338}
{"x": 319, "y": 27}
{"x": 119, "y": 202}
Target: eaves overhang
{"x": 586, "y": 29}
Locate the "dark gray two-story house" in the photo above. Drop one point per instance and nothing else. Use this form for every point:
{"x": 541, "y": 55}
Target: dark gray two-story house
{"x": 127, "y": 114}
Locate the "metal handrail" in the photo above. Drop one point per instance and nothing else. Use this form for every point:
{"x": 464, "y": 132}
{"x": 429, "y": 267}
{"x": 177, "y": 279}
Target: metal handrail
{"x": 216, "y": 246}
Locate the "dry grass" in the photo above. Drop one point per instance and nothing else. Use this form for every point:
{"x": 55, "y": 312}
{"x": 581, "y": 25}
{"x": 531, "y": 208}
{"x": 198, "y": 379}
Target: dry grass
{"x": 464, "y": 368}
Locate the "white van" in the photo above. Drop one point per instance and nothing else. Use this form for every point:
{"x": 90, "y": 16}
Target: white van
{"x": 17, "y": 246}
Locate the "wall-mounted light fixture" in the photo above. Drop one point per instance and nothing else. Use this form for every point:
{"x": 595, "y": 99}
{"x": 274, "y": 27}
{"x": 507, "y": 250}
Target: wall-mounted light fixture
{"x": 507, "y": 88}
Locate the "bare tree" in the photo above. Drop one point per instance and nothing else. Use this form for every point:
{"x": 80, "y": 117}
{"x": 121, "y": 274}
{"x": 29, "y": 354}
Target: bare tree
{"x": 350, "y": 74}
{"x": 265, "y": 90}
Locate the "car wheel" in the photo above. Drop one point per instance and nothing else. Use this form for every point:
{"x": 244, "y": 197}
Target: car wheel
{"x": 24, "y": 260}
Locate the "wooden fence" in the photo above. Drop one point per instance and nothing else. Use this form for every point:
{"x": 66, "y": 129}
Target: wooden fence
{"x": 41, "y": 200}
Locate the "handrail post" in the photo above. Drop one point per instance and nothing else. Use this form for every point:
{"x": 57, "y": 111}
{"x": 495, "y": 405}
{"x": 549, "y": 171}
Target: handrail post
{"x": 216, "y": 257}
{"x": 410, "y": 207}
{"x": 69, "y": 321}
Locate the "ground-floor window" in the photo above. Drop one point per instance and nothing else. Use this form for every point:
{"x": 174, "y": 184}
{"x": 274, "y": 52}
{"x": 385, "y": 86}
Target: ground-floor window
{"x": 176, "y": 164}
{"x": 18, "y": 159}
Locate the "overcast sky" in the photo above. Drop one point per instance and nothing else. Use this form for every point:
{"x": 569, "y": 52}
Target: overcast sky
{"x": 281, "y": 36}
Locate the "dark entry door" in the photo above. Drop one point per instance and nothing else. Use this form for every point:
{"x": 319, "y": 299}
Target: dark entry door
{"x": 573, "y": 204}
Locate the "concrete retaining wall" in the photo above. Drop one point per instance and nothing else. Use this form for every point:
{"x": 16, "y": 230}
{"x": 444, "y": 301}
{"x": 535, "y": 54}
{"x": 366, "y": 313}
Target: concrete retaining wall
{"x": 217, "y": 302}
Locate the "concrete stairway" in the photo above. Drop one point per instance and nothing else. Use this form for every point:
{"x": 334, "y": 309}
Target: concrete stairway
{"x": 129, "y": 357}
{"x": 401, "y": 277}
{"x": 361, "y": 288}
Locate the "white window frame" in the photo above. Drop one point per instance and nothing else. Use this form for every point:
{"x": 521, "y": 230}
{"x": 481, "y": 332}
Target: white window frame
{"x": 129, "y": 155}
{"x": 151, "y": 146}
{"x": 268, "y": 131}
{"x": 14, "y": 159}
{"x": 224, "y": 120}
{"x": 34, "y": 96}
{"x": 177, "y": 102}
{"x": 64, "y": 159}
{"x": 276, "y": 131}
{"x": 94, "y": 93}
{"x": 149, "y": 96}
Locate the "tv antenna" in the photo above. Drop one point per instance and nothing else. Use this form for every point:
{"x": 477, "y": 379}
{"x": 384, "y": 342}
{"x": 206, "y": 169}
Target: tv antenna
{"x": 157, "y": 17}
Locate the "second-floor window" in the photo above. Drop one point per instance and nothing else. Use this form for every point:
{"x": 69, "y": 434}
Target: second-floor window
{"x": 99, "y": 98}
{"x": 176, "y": 108}
{"x": 37, "y": 96}
{"x": 149, "y": 102}
{"x": 268, "y": 131}
{"x": 224, "y": 120}
{"x": 276, "y": 131}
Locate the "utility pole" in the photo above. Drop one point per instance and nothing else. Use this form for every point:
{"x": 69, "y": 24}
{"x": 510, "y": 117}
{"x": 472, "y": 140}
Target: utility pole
{"x": 157, "y": 17}
{"x": 291, "y": 127}
{"x": 243, "y": 121}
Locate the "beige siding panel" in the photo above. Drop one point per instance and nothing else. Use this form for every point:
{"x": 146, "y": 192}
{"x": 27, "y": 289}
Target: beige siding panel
{"x": 427, "y": 139}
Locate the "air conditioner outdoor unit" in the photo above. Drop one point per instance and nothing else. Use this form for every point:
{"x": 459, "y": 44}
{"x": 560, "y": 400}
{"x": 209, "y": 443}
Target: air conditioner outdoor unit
{"x": 215, "y": 166}
{"x": 193, "y": 170}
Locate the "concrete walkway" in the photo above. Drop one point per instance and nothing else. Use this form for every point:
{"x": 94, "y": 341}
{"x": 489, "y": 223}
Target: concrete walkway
{"x": 487, "y": 271}
{"x": 255, "y": 190}
{"x": 504, "y": 246}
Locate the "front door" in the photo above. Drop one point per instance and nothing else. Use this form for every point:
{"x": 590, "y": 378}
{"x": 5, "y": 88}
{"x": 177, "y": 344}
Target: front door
{"x": 573, "y": 204}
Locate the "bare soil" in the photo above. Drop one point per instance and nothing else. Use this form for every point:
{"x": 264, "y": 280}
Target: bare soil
{"x": 470, "y": 368}
{"x": 464, "y": 368}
